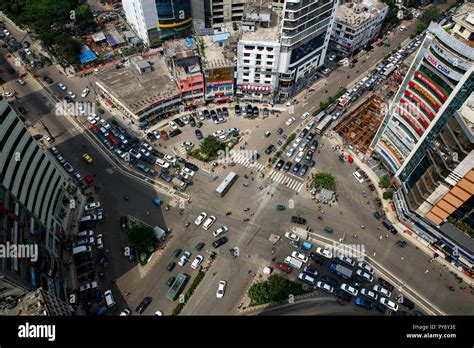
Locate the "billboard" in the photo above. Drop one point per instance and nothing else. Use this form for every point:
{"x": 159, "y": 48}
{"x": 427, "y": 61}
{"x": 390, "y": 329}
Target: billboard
{"x": 224, "y": 75}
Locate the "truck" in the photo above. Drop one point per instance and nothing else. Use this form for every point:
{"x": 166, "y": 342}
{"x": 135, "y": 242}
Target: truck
{"x": 178, "y": 184}
{"x": 294, "y": 263}
{"x": 341, "y": 270}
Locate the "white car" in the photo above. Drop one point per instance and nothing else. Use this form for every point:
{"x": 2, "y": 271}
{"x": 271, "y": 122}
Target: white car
{"x": 349, "y": 289}
{"x": 292, "y": 236}
{"x": 325, "y": 286}
{"x": 219, "y": 132}
{"x": 71, "y": 94}
{"x": 364, "y": 275}
{"x": 173, "y": 125}
{"x": 85, "y": 92}
{"x": 184, "y": 258}
{"x": 220, "y": 230}
{"x": 306, "y": 278}
{"x": 389, "y": 304}
{"x": 88, "y": 286}
{"x": 185, "y": 119}
{"x": 197, "y": 261}
{"x": 68, "y": 167}
{"x": 209, "y": 222}
{"x": 381, "y": 290}
{"x": 28, "y": 51}
{"x": 99, "y": 241}
{"x": 200, "y": 218}
{"x": 305, "y": 115}
{"x": 92, "y": 206}
{"x": 222, "y": 137}
{"x": 369, "y": 293}
{"x": 324, "y": 252}
{"x": 188, "y": 171}
{"x": 170, "y": 159}
{"x": 295, "y": 143}
{"x": 107, "y": 125}
{"x": 91, "y": 120}
{"x": 8, "y": 94}
{"x": 346, "y": 260}
{"x": 290, "y": 121}
{"x": 221, "y": 289}
{"x": 303, "y": 146}
{"x": 6, "y": 32}
{"x": 147, "y": 146}
{"x": 187, "y": 144}
{"x": 144, "y": 152}
{"x": 125, "y": 313}
{"x": 184, "y": 175}
{"x": 290, "y": 152}
{"x": 62, "y": 87}
{"x": 121, "y": 154}
{"x": 302, "y": 257}
{"x": 366, "y": 267}
{"x": 299, "y": 157}
{"x": 156, "y": 134}
{"x": 162, "y": 163}
{"x": 123, "y": 139}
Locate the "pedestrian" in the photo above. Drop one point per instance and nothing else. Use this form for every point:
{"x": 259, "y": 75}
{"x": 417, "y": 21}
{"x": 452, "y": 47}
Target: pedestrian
{"x": 147, "y": 212}
{"x": 402, "y": 258}
{"x": 426, "y": 271}
{"x": 386, "y": 236}
{"x": 380, "y": 237}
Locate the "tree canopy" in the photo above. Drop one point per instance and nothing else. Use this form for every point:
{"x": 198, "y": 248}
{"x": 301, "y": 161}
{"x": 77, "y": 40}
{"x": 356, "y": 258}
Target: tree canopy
{"x": 275, "y": 289}
{"x": 142, "y": 238}
{"x": 323, "y": 180}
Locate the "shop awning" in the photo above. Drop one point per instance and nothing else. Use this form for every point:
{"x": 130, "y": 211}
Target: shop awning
{"x": 256, "y": 88}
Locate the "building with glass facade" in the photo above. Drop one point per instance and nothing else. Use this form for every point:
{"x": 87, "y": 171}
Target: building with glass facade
{"x": 426, "y": 139}
{"x": 158, "y": 20}
{"x": 35, "y": 210}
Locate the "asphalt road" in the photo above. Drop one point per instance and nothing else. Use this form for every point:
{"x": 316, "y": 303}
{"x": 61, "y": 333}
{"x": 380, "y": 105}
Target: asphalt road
{"x": 252, "y": 238}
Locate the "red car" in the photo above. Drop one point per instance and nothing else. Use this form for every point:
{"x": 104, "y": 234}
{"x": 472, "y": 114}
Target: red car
{"x": 164, "y": 135}
{"x": 94, "y": 129}
{"x": 283, "y": 267}
{"x": 113, "y": 139}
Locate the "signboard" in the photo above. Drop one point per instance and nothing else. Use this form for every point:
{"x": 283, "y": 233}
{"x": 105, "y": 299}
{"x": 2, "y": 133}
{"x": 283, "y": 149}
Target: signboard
{"x": 424, "y": 93}
{"x": 220, "y": 75}
{"x": 419, "y": 102}
{"x": 426, "y": 81}
{"x": 445, "y": 70}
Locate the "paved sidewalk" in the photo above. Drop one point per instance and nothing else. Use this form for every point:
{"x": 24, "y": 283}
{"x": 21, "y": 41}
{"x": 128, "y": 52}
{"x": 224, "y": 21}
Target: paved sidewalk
{"x": 391, "y": 214}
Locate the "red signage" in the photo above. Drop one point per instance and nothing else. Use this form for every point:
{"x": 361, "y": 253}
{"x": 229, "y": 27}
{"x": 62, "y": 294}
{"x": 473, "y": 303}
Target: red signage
{"x": 426, "y": 81}
{"x": 425, "y": 94}
{"x": 415, "y": 112}
{"x": 419, "y": 102}
{"x": 227, "y": 82}
{"x": 411, "y": 120}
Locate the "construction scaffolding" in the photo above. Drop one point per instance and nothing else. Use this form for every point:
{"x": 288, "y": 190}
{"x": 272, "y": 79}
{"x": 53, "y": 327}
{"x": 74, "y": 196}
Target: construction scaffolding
{"x": 360, "y": 126}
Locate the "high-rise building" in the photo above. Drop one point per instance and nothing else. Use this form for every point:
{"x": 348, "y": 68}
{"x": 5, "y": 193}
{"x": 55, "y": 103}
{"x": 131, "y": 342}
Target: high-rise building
{"x": 426, "y": 139}
{"x": 38, "y": 303}
{"x": 158, "y": 20}
{"x": 281, "y": 47}
{"x": 305, "y": 32}
{"x": 35, "y": 210}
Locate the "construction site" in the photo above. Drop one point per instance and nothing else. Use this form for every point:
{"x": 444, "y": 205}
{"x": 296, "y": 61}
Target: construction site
{"x": 359, "y": 127}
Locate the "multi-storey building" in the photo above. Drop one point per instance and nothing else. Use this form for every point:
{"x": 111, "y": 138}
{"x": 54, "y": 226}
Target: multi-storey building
{"x": 158, "y": 20}
{"x": 39, "y": 303}
{"x": 35, "y": 209}
{"x": 426, "y": 138}
{"x": 356, "y": 24}
{"x": 304, "y": 37}
{"x": 218, "y": 64}
{"x": 183, "y": 60}
{"x": 258, "y": 54}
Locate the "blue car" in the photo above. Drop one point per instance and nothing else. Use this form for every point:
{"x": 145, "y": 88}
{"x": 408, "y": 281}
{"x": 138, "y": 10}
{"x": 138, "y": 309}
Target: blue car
{"x": 296, "y": 168}
{"x": 166, "y": 177}
{"x": 157, "y": 201}
{"x": 364, "y": 303}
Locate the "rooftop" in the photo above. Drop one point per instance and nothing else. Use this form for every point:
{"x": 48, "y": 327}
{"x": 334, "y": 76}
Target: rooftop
{"x": 458, "y": 236}
{"x": 356, "y": 14}
{"x": 179, "y": 49}
{"x": 136, "y": 90}
{"x": 261, "y": 23}
{"x": 218, "y": 52}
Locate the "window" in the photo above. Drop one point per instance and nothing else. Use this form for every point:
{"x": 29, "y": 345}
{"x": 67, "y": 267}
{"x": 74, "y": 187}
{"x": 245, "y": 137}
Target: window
{"x": 246, "y": 54}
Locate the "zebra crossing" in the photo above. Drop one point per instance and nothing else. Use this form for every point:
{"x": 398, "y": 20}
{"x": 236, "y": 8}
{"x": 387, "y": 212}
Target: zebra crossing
{"x": 291, "y": 183}
{"x": 246, "y": 162}
{"x": 181, "y": 149}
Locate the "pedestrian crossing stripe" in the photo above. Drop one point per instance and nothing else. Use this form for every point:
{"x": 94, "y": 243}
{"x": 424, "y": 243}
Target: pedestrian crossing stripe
{"x": 246, "y": 162}
{"x": 291, "y": 183}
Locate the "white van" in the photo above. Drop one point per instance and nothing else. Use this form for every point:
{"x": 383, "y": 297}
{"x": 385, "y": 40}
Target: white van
{"x": 162, "y": 163}
{"x": 109, "y": 298}
{"x": 87, "y": 218}
{"x": 358, "y": 177}
{"x": 81, "y": 249}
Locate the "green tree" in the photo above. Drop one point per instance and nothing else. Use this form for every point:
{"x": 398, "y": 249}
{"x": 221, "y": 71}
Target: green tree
{"x": 84, "y": 18}
{"x": 392, "y": 16}
{"x": 388, "y": 194}
{"x": 429, "y": 15}
{"x": 275, "y": 289}
{"x": 323, "y": 180}
{"x": 143, "y": 238}
{"x": 384, "y": 181}
{"x": 210, "y": 146}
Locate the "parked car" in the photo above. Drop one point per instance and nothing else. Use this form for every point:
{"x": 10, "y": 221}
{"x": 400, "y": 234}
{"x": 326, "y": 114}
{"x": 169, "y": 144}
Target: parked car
{"x": 143, "y": 305}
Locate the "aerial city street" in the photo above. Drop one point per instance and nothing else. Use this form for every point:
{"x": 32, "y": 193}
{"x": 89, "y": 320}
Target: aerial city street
{"x": 244, "y": 158}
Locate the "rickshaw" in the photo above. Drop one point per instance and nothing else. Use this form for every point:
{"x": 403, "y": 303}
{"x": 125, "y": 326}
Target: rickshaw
{"x": 401, "y": 244}
{"x": 157, "y": 201}
{"x": 280, "y": 207}
{"x": 267, "y": 134}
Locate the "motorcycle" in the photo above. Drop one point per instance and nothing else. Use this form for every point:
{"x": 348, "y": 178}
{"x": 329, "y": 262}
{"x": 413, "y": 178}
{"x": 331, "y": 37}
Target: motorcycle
{"x": 187, "y": 224}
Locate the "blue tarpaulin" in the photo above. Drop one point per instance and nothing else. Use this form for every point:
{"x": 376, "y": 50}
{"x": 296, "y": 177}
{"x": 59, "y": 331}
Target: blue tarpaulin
{"x": 220, "y": 37}
{"x": 86, "y": 55}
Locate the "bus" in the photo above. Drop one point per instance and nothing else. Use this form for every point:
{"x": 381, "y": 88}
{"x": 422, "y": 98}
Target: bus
{"x": 177, "y": 286}
{"x": 323, "y": 124}
{"x": 224, "y": 186}
{"x": 319, "y": 116}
